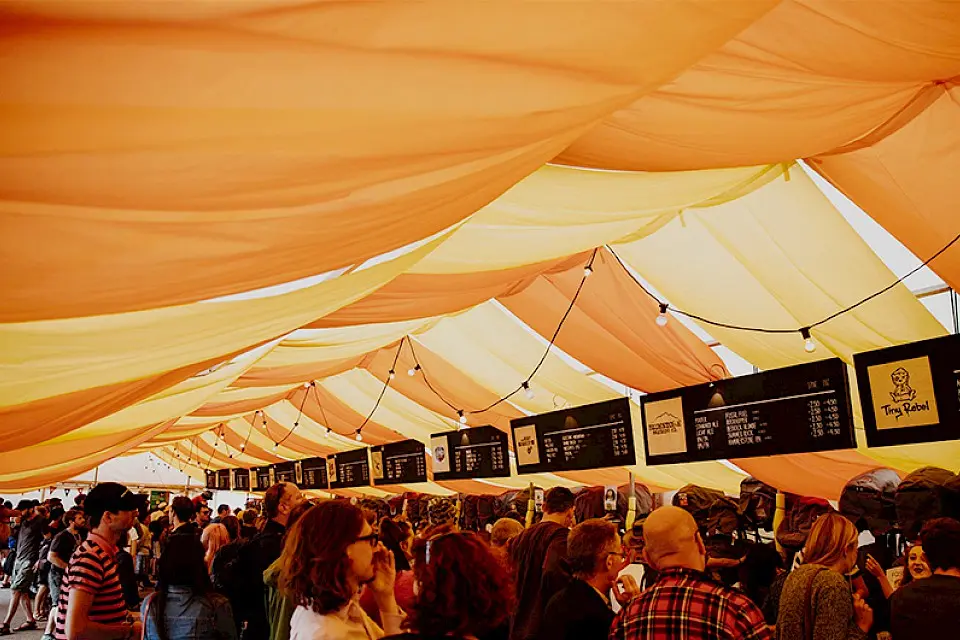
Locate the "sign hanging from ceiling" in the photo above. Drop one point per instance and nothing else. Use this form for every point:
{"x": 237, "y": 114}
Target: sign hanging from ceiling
{"x": 223, "y": 479}
{"x": 347, "y": 469}
{"x": 478, "y": 452}
{"x": 589, "y": 437}
{"x": 403, "y": 462}
{"x": 313, "y": 473}
{"x": 284, "y": 472}
{"x": 241, "y": 480}
{"x": 911, "y": 392}
{"x": 261, "y": 478}
{"x": 211, "y": 479}
{"x": 797, "y": 409}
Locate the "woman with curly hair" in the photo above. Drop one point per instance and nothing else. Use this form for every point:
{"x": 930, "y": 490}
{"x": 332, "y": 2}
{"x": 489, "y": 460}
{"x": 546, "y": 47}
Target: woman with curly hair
{"x": 463, "y": 592}
{"x": 333, "y": 551}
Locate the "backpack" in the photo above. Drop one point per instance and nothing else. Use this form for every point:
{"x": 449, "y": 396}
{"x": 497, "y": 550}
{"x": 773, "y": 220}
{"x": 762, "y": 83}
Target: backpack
{"x": 796, "y": 525}
{"x": 468, "y": 513}
{"x": 921, "y": 496}
{"x": 478, "y": 511}
{"x": 697, "y": 500}
{"x": 758, "y": 504}
{"x": 868, "y": 501}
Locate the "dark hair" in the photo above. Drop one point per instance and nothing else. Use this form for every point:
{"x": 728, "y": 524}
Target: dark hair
{"x": 272, "y": 499}
{"x": 758, "y": 571}
{"x": 558, "y": 500}
{"x": 940, "y": 539}
{"x": 587, "y": 545}
{"x": 392, "y": 534}
{"x": 464, "y": 589}
{"x": 232, "y": 524}
{"x": 223, "y": 508}
{"x": 181, "y": 565}
{"x": 249, "y": 517}
{"x": 315, "y": 574}
{"x": 71, "y": 515}
{"x": 183, "y": 508}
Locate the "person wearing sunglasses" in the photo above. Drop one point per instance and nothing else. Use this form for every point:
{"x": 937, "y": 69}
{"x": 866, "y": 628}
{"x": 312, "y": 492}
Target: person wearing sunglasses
{"x": 333, "y": 553}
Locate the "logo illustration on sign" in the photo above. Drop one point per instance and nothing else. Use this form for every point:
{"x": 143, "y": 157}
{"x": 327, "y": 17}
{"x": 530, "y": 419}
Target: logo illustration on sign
{"x": 902, "y": 394}
{"x": 441, "y": 458}
{"x": 332, "y": 468}
{"x": 377, "y": 464}
{"x": 527, "y": 450}
{"x": 666, "y": 432}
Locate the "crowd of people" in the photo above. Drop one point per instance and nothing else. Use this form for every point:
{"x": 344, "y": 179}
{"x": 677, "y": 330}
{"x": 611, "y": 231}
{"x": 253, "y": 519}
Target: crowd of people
{"x": 303, "y": 569}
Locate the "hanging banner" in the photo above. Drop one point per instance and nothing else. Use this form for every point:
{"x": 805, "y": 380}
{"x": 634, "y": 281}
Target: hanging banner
{"x": 478, "y": 452}
{"x": 797, "y": 409}
{"x": 403, "y": 462}
{"x": 589, "y": 437}
{"x": 350, "y": 469}
{"x": 241, "y": 479}
{"x": 313, "y": 473}
{"x": 911, "y": 392}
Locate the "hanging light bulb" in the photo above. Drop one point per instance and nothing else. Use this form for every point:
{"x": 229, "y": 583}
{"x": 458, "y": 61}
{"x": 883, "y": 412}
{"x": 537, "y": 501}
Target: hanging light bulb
{"x": 276, "y": 445}
{"x": 461, "y": 416}
{"x": 587, "y": 271}
{"x": 306, "y": 385}
{"x": 662, "y": 317}
{"x": 808, "y": 344}
{"x": 392, "y": 374}
{"x": 413, "y": 371}
{"x": 359, "y": 436}
{"x": 243, "y": 446}
{"x": 527, "y": 391}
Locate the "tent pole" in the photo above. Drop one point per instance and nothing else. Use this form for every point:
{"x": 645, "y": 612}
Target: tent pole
{"x": 778, "y": 517}
{"x": 96, "y": 474}
{"x": 631, "y": 504}
{"x": 531, "y": 506}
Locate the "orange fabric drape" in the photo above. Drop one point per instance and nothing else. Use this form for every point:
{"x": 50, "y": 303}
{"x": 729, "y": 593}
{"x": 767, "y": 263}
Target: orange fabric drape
{"x": 612, "y": 328}
{"x": 809, "y": 474}
{"x": 240, "y": 406}
{"x": 270, "y": 376}
{"x": 904, "y": 178}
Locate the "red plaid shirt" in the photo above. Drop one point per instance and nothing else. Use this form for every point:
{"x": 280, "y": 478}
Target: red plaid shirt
{"x": 687, "y": 605}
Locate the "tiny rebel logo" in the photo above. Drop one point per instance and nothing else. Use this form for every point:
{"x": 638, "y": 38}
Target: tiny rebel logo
{"x": 903, "y": 394}
{"x": 902, "y": 391}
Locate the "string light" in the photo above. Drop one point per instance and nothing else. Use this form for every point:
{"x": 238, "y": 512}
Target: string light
{"x": 588, "y": 271}
{"x": 462, "y": 417}
{"x": 276, "y": 445}
{"x": 359, "y": 436}
{"x": 392, "y": 374}
{"x": 662, "y": 317}
{"x": 527, "y": 391}
{"x": 808, "y": 344}
{"x": 413, "y": 371}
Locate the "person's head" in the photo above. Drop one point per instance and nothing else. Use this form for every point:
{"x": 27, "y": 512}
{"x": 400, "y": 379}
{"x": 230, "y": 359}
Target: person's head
{"x": 249, "y": 517}
{"x": 110, "y": 509}
{"x": 594, "y": 551}
{"x": 183, "y": 510}
{"x": 397, "y": 536}
{"x": 232, "y": 525}
{"x": 78, "y": 500}
{"x": 504, "y": 530}
{"x": 331, "y": 553}
{"x": 832, "y": 543}
{"x": 203, "y": 515}
{"x": 180, "y": 565}
{"x": 672, "y": 539}
{"x": 462, "y": 589}
{"x": 758, "y": 571}
{"x": 74, "y": 520}
{"x": 25, "y": 507}
{"x": 917, "y": 566}
{"x": 941, "y": 544}
{"x": 279, "y": 500}
{"x": 558, "y": 506}
{"x": 214, "y": 537}
{"x": 223, "y": 510}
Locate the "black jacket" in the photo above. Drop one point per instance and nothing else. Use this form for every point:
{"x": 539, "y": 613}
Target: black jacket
{"x": 539, "y": 556}
{"x": 577, "y": 612}
{"x": 255, "y": 556}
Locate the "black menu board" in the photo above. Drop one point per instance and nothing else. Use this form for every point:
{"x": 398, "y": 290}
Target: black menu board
{"x": 403, "y": 462}
{"x": 349, "y": 469}
{"x": 791, "y": 410}
{"x": 911, "y": 392}
{"x": 211, "y": 479}
{"x": 241, "y": 480}
{"x": 285, "y": 472}
{"x": 223, "y": 479}
{"x": 588, "y": 437}
{"x": 313, "y": 473}
{"x": 479, "y": 452}
{"x": 261, "y": 478}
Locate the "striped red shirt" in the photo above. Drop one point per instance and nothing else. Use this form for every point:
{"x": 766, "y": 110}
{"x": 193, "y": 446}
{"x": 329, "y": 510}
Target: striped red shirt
{"x": 93, "y": 568}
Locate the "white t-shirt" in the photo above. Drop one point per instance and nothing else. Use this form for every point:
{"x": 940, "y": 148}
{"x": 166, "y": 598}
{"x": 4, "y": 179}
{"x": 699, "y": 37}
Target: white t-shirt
{"x": 349, "y": 623}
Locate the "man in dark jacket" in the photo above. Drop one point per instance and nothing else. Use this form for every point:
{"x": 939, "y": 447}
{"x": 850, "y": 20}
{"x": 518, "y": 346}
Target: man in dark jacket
{"x": 581, "y": 610}
{"x": 539, "y": 558}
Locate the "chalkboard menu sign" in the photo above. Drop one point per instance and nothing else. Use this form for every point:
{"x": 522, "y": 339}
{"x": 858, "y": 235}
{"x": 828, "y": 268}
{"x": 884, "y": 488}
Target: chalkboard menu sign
{"x": 211, "y": 479}
{"x": 261, "y": 478}
{"x": 223, "y": 479}
{"x": 403, "y": 462}
{"x": 588, "y": 437}
{"x": 313, "y": 473}
{"x": 241, "y": 480}
{"x": 480, "y": 452}
{"x": 349, "y": 469}
{"x": 911, "y": 392}
{"x": 792, "y": 410}
{"x": 285, "y": 472}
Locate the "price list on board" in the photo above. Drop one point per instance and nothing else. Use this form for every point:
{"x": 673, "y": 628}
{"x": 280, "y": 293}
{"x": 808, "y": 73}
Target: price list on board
{"x": 223, "y": 479}
{"x": 588, "y": 437}
{"x": 797, "y": 409}
{"x": 261, "y": 478}
{"x": 351, "y": 469}
{"x": 313, "y": 473}
{"x": 285, "y": 472}
{"x": 403, "y": 462}
{"x": 479, "y": 452}
{"x": 241, "y": 479}
{"x": 211, "y": 479}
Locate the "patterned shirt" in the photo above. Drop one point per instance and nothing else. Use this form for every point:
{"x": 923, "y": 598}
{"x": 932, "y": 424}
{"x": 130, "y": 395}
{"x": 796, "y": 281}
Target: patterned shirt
{"x": 93, "y": 568}
{"x": 687, "y": 605}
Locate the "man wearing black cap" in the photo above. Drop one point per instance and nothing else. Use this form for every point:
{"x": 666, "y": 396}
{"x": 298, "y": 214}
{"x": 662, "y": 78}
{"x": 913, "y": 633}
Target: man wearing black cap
{"x": 32, "y": 519}
{"x": 91, "y": 597}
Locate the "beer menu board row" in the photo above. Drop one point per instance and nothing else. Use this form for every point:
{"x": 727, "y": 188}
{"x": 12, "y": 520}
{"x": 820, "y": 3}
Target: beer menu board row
{"x": 792, "y": 410}
{"x": 403, "y": 462}
{"x": 313, "y": 473}
{"x": 211, "y": 479}
{"x": 241, "y": 479}
{"x": 261, "y": 478}
{"x": 479, "y": 452}
{"x": 349, "y": 469}
{"x": 911, "y": 392}
{"x": 284, "y": 472}
{"x": 223, "y": 479}
{"x": 588, "y": 437}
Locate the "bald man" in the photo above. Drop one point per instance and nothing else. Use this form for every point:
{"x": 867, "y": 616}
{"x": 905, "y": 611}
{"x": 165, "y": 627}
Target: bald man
{"x": 684, "y": 603}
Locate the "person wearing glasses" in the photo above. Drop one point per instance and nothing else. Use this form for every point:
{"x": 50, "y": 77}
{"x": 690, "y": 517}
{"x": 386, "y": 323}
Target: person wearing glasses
{"x": 581, "y": 610}
{"x": 333, "y": 552}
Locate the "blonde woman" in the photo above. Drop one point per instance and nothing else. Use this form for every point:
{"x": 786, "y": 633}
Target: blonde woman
{"x": 817, "y": 601}
{"x": 214, "y": 537}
